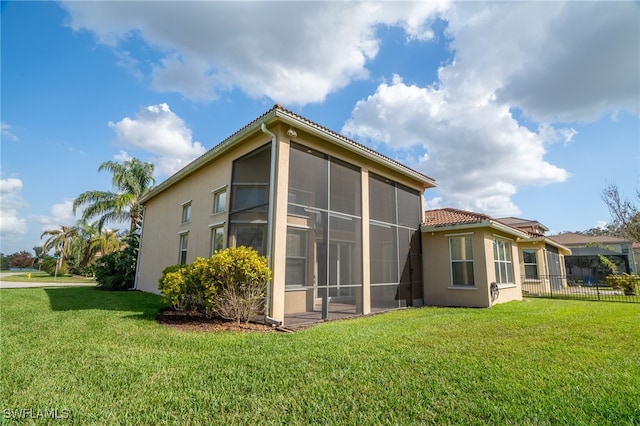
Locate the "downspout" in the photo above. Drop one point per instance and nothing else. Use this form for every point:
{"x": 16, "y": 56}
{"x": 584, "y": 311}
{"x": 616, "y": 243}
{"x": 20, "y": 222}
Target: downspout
{"x": 135, "y": 282}
{"x": 270, "y": 215}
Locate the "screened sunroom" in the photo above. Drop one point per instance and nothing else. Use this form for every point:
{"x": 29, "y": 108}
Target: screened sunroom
{"x": 338, "y": 222}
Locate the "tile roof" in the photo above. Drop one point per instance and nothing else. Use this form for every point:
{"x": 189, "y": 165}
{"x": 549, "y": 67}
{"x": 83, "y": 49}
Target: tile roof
{"x": 573, "y": 238}
{"x": 449, "y": 216}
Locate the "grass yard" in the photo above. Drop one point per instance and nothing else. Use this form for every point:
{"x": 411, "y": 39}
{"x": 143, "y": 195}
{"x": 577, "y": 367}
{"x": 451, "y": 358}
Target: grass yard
{"x": 100, "y": 358}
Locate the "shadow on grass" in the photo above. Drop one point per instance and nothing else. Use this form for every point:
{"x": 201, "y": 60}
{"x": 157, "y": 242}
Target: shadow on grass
{"x": 141, "y": 305}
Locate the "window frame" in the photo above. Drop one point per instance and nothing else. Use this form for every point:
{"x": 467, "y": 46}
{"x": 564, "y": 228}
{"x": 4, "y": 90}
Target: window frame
{"x": 186, "y": 212}
{"x": 465, "y": 261}
{"x": 214, "y": 229}
{"x": 503, "y": 247}
{"x": 183, "y": 248}
{"x": 217, "y": 207}
{"x": 525, "y": 264}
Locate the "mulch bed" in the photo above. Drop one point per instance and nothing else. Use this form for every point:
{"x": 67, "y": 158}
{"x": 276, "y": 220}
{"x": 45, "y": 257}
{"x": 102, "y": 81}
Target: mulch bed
{"x": 194, "y": 321}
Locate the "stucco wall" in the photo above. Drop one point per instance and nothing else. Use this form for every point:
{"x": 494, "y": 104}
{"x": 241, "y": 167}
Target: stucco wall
{"x": 162, "y": 218}
{"x": 437, "y": 270}
{"x": 162, "y": 227}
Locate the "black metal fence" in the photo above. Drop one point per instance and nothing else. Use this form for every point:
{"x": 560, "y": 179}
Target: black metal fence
{"x": 583, "y": 288}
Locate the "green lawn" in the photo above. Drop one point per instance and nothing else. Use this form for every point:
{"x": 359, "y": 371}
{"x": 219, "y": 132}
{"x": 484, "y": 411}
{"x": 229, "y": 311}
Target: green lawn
{"x": 100, "y": 358}
{"x": 43, "y": 277}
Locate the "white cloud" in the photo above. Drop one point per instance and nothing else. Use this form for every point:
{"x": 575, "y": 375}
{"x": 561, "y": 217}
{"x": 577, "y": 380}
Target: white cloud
{"x": 291, "y": 52}
{"x": 160, "y": 132}
{"x": 508, "y": 56}
{"x": 7, "y": 132}
{"x": 12, "y": 227}
{"x": 60, "y": 214}
{"x": 477, "y": 151}
{"x": 584, "y": 65}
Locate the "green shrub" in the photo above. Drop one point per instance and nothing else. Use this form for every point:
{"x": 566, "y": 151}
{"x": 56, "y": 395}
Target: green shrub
{"x": 241, "y": 276}
{"x": 49, "y": 266}
{"x": 630, "y": 284}
{"x": 189, "y": 287}
{"x": 231, "y": 283}
{"x": 117, "y": 270}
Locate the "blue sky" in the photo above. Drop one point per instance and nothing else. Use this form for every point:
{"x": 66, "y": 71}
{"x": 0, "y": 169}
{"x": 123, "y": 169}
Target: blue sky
{"x": 515, "y": 108}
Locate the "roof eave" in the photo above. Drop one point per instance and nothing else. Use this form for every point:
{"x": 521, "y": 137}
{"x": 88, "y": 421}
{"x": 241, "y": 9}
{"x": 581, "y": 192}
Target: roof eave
{"x": 427, "y": 182}
{"x": 210, "y": 155}
{"x": 475, "y": 225}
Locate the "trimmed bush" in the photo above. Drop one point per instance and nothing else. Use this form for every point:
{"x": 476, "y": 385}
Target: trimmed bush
{"x": 241, "y": 277}
{"x": 630, "y": 284}
{"x": 231, "y": 284}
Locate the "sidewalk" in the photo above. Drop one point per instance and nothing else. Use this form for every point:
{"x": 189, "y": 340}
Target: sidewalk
{"x": 52, "y": 283}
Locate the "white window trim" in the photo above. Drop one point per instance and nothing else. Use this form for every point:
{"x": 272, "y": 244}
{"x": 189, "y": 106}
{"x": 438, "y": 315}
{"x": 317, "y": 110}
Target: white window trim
{"x": 184, "y": 205}
{"x": 215, "y": 193}
{"x": 451, "y": 261}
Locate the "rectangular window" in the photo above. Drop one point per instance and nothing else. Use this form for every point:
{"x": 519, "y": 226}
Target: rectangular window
{"x": 530, "y": 264}
{"x": 249, "y": 200}
{"x": 217, "y": 239}
{"x": 502, "y": 261}
{"x": 184, "y": 240}
{"x": 220, "y": 201}
{"x": 461, "y": 254}
{"x": 296, "y": 274}
{"x": 186, "y": 212}
{"x": 251, "y": 235}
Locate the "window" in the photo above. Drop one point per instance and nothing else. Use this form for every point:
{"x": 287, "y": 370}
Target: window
{"x": 219, "y": 201}
{"x": 249, "y": 200}
{"x": 502, "y": 261}
{"x": 461, "y": 253}
{"x": 184, "y": 240}
{"x": 217, "y": 239}
{"x": 530, "y": 264}
{"x": 296, "y": 274}
{"x": 186, "y": 212}
{"x": 251, "y": 197}
{"x": 251, "y": 235}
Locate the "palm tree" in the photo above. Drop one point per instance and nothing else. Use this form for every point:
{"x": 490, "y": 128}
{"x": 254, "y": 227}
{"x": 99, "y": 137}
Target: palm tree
{"x": 130, "y": 180}
{"x": 59, "y": 240}
{"x": 105, "y": 242}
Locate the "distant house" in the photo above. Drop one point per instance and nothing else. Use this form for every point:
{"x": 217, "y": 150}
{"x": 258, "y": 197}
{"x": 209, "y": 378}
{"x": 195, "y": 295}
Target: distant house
{"x": 584, "y": 262}
{"x": 542, "y": 259}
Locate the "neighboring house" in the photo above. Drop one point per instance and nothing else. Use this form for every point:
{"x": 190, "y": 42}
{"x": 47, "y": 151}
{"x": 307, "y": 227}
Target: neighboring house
{"x": 511, "y": 253}
{"x": 584, "y": 262}
{"x": 464, "y": 254}
{"x": 542, "y": 260}
{"x": 337, "y": 221}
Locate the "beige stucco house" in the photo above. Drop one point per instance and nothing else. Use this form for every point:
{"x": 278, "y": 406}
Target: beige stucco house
{"x": 338, "y": 222}
{"x": 542, "y": 259}
{"x": 342, "y": 226}
{"x": 467, "y": 252}
{"x": 510, "y": 256}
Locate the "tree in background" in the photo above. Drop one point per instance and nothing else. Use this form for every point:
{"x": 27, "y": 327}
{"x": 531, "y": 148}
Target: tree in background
{"x": 60, "y": 240}
{"x": 624, "y": 212}
{"x": 4, "y": 262}
{"x": 22, "y": 259}
{"x": 131, "y": 179}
